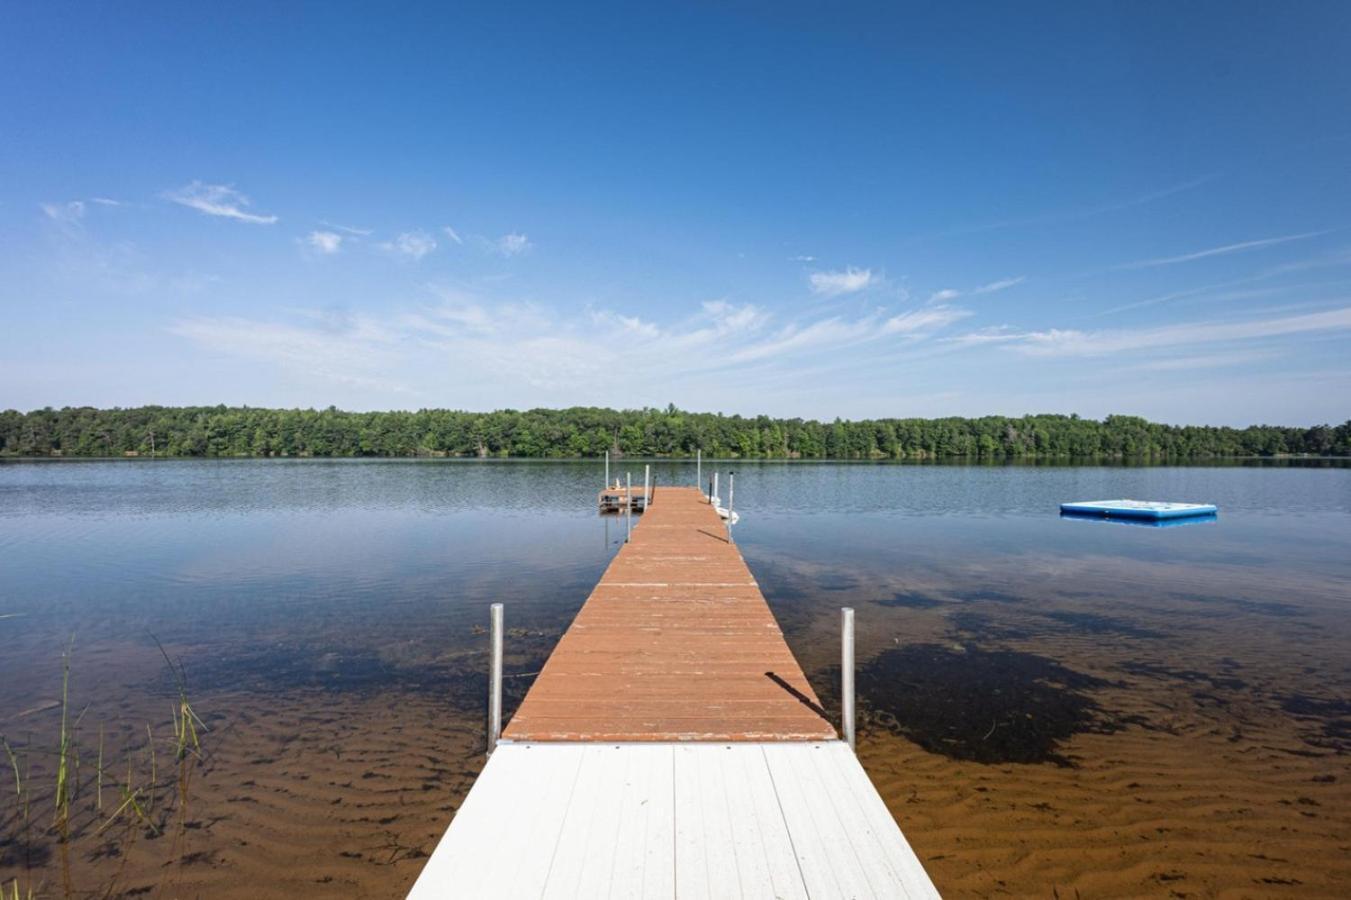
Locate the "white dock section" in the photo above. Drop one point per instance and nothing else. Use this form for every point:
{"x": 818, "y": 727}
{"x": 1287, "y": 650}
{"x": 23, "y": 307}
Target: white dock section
{"x": 673, "y": 820}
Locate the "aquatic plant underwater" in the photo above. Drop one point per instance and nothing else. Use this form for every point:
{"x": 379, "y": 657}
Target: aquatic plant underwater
{"x": 95, "y": 801}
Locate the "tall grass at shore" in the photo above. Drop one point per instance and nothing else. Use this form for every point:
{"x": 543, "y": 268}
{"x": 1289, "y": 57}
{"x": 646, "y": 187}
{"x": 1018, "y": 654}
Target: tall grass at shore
{"x": 54, "y": 775}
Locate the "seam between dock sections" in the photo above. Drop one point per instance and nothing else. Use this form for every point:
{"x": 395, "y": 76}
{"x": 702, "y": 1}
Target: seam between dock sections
{"x": 783, "y": 817}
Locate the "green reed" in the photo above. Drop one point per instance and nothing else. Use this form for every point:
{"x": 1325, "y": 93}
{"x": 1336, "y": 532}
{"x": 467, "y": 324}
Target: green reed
{"x": 81, "y": 827}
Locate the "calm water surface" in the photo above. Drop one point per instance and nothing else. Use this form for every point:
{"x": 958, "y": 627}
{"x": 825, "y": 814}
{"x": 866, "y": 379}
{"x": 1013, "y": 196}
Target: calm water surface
{"x": 363, "y": 573}
{"x": 990, "y": 629}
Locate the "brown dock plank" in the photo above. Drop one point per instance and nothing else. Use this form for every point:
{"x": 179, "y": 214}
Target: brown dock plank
{"x": 675, "y": 643}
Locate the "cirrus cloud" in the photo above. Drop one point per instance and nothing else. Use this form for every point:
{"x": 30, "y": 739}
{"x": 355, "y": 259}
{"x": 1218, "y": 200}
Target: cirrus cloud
{"x": 218, "y": 200}
{"x": 325, "y": 242}
{"x": 845, "y": 281}
{"x": 411, "y": 244}
{"x": 513, "y": 244}
{"x": 527, "y": 350}
{"x": 1070, "y": 342}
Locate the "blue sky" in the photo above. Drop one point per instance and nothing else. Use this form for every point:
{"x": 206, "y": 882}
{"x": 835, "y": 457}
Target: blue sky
{"x": 795, "y": 209}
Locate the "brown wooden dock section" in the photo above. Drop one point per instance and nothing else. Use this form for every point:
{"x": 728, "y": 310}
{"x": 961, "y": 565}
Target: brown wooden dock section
{"x": 671, "y": 748}
{"x": 676, "y": 643}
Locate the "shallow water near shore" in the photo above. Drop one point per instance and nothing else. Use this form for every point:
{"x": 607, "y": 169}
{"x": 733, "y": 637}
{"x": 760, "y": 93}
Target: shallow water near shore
{"x": 1047, "y": 705}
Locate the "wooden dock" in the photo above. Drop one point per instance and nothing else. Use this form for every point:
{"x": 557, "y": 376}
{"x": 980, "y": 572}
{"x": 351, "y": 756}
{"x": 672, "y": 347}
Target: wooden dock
{"x": 672, "y": 747}
{"x": 616, "y": 499}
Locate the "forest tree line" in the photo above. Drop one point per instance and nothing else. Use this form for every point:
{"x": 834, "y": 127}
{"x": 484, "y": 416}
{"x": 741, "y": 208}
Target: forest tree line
{"x": 221, "y": 431}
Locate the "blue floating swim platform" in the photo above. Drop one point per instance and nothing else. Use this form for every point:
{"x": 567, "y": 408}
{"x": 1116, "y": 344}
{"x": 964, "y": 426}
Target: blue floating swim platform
{"x": 1148, "y": 510}
{"x": 1099, "y": 519}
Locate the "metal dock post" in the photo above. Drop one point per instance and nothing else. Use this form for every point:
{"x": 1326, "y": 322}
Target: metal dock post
{"x": 495, "y": 679}
{"x": 731, "y": 501}
{"x": 847, "y": 674}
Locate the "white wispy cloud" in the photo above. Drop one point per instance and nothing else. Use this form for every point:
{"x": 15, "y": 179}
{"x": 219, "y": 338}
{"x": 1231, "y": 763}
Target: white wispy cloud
{"x": 452, "y": 234}
{"x": 1058, "y": 342}
{"x": 218, "y": 200}
{"x": 802, "y": 258}
{"x": 1216, "y": 251}
{"x": 1088, "y": 212}
{"x": 628, "y": 326}
{"x": 513, "y": 244}
{"x": 846, "y": 281}
{"x": 728, "y": 318}
{"x": 359, "y": 232}
{"x": 999, "y": 285}
{"x": 995, "y": 334}
{"x": 1205, "y": 361}
{"x": 68, "y": 213}
{"x": 350, "y": 350}
{"x": 326, "y": 242}
{"x": 947, "y": 295}
{"x": 1216, "y": 292}
{"x": 515, "y": 345}
{"x": 411, "y": 244}
{"x": 106, "y": 201}
{"x": 920, "y": 321}
{"x": 1340, "y": 257}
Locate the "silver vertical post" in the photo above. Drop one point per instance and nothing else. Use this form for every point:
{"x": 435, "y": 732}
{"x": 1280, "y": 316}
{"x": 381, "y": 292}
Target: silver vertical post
{"x": 607, "y": 470}
{"x": 628, "y": 506}
{"x": 495, "y": 679}
{"x": 647, "y": 476}
{"x": 731, "y": 501}
{"x": 699, "y": 468}
{"x": 847, "y": 674}
{"x": 715, "y": 487}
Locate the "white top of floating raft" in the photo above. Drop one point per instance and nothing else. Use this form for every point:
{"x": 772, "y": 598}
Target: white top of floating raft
{"x": 786, "y": 820}
{"x": 1139, "y": 509}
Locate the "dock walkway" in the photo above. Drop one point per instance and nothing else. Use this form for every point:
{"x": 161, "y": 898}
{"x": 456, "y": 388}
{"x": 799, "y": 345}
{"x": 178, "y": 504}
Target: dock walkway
{"x": 672, "y": 747}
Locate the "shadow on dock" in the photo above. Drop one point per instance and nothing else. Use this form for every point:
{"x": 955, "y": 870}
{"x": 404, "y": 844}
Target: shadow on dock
{"x": 801, "y": 697}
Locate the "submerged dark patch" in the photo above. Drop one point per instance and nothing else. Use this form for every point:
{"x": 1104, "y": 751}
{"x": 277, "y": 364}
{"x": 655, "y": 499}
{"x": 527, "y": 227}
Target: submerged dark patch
{"x": 910, "y": 600}
{"x": 1093, "y": 623}
{"x": 989, "y": 597}
{"x": 985, "y": 706}
{"x": 1332, "y": 716}
{"x": 1187, "y": 676}
{"x": 836, "y": 581}
{"x": 461, "y": 683}
{"x": 1272, "y": 608}
{"x": 1267, "y": 608}
{"x": 778, "y": 582}
{"x": 980, "y": 625}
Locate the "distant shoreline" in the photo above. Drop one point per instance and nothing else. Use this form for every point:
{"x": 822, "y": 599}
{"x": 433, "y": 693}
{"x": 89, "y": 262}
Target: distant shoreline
{"x": 670, "y": 433}
{"x": 1131, "y": 461}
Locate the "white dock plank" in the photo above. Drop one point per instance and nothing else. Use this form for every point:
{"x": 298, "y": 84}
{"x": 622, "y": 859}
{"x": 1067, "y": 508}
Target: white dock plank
{"x": 516, "y": 778}
{"x": 829, "y": 864}
{"x": 646, "y": 828}
{"x": 696, "y": 820}
{"x": 585, "y": 854}
{"x": 887, "y": 860}
{"x": 886, "y": 831}
{"x": 764, "y": 850}
{"x": 705, "y": 865}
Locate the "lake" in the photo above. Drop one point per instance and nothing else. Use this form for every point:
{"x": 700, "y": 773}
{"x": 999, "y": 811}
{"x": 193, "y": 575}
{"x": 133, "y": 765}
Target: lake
{"x": 1046, "y": 703}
